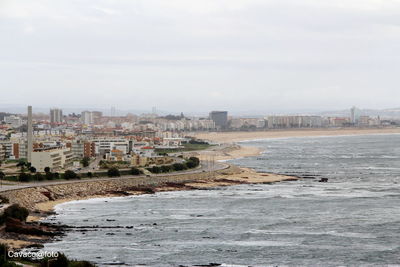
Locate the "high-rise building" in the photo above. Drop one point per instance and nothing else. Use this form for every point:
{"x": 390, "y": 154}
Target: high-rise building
{"x": 97, "y": 115}
{"x": 91, "y": 117}
{"x": 13, "y": 120}
{"x": 56, "y": 116}
{"x": 87, "y": 117}
{"x": 354, "y": 115}
{"x": 220, "y": 118}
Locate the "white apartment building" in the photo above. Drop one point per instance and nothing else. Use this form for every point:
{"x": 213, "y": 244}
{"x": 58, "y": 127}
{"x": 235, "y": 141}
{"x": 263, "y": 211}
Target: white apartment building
{"x": 104, "y": 146}
{"x": 90, "y": 117}
{"x": 14, "y": 121}
{"x": 56, "y": 115}
{"x": 55, "y": 159}
{"x": 87, "y": 117}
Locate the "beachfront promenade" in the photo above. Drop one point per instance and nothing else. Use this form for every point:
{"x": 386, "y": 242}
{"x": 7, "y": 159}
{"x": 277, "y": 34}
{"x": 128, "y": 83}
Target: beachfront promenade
{"x": 205, "y": 167}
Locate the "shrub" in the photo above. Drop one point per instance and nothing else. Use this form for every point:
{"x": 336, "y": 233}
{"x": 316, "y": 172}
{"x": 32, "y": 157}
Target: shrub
{"x": 190, "y": 164}
{"x": 68, "y": 174}
{"x": 179, "y": 166}
{"x": 195, "y": 160}
{"x": 21, "y": 163}
{"x": 85, "y": 161}
{"x": 89, "y": 174}
{"x": 63, "y": 261}
{"x": 25, "y": 177}
{"x": 2, "y": 175}
{"x": 135, "y": 171}
{"x": 113, "y": 172}
{"x": 60, "y": 261}
{"x": 38, "y": 177}
{"x": 154, "y": 169}
{"x": 166, "y": 168}
{"x": 14, "y": 211}
{"x": 49, "y": 176}
{"x": 32, "y": 169}
{"x": 47, "y": 169}
{"x": 3, "y": 257}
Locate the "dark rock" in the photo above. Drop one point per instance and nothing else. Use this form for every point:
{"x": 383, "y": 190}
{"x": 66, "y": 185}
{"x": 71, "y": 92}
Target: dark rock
{"x": 16, "y": 226}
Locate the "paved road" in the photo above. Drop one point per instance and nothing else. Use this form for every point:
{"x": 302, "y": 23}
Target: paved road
{"x": 205, "y": 167}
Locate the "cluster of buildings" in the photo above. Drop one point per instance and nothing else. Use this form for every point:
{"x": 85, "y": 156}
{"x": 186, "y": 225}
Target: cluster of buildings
{"x": 57, "y": 140}
{"x": 59, "y": 144}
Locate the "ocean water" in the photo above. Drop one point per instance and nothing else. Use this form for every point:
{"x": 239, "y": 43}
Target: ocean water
{"x": 353, "y": 220}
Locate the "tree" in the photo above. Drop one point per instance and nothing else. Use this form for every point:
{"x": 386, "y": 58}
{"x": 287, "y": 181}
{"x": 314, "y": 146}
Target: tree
{"x": 32, "y": 169}
{"x": 179, "y": 166}
{"x": 135, "y": 171}
{"x": 49, "y": 176}
{"x": 38, "y": 177}
{"x": 14, "y": 211}
{"x": 155, "y": 169}
{"x": 89, "y": 174}
{"x": 195, "y": 160}
{"x": 85, "y": 161}
{"x": 2, "y": 175}
{"x": 21, "y": 163}
{"x": 25, "y": 177}
{"x": 68, "y": 174}
{"x": 113, "y": 172}
{"x": 47, "y": 169}
{"x": 166, "y": 168}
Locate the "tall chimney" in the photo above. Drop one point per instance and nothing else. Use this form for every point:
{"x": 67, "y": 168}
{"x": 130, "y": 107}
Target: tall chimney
{"x": 30, "y": 134}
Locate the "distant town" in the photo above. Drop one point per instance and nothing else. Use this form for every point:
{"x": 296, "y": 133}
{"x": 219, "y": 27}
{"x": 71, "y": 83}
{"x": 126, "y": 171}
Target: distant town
{"x": 88, "y": 141}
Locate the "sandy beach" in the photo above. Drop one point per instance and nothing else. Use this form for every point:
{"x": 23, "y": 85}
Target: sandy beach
{"x": 231, "y": 137}
{"x": 228, "y": 152}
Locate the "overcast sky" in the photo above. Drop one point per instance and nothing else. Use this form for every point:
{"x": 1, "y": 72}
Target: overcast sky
{"x": 183, "y": 55}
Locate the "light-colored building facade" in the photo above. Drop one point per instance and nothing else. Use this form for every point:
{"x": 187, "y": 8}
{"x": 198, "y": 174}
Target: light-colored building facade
{"x": 56, "y": 116}
{"x": 55, "y": 159}
{"x": 14, "y": 121}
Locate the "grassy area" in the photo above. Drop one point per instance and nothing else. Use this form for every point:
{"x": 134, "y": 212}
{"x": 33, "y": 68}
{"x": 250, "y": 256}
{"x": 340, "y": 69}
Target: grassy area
{"x": 186, "y": 147}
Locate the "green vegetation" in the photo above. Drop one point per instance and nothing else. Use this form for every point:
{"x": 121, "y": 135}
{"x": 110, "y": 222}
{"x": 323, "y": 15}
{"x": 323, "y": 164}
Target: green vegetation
{"x": 85, "y": 161}
{"x": 135, "y": 171}
{"x": 39, "y": 177}
{"x": 113, "y": 172}
{"x": 49, "y": 176}
{"x": 14, "y": 211}
{"x": 190, "y": 163}
{"x": 114, "y": 164}
{"x": 60, "y": 261}
{"x": 68, "y": 175}
{"x": 63, "y": 261}
{"x": 4, "y": 262}
{"x": 25, "y": 177}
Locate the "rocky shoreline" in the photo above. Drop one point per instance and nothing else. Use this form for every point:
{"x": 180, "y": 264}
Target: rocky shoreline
{"x": 41, "y": 200}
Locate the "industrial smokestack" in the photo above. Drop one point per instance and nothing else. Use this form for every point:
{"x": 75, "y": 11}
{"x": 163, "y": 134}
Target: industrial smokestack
{"x": 30, "y": 134}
